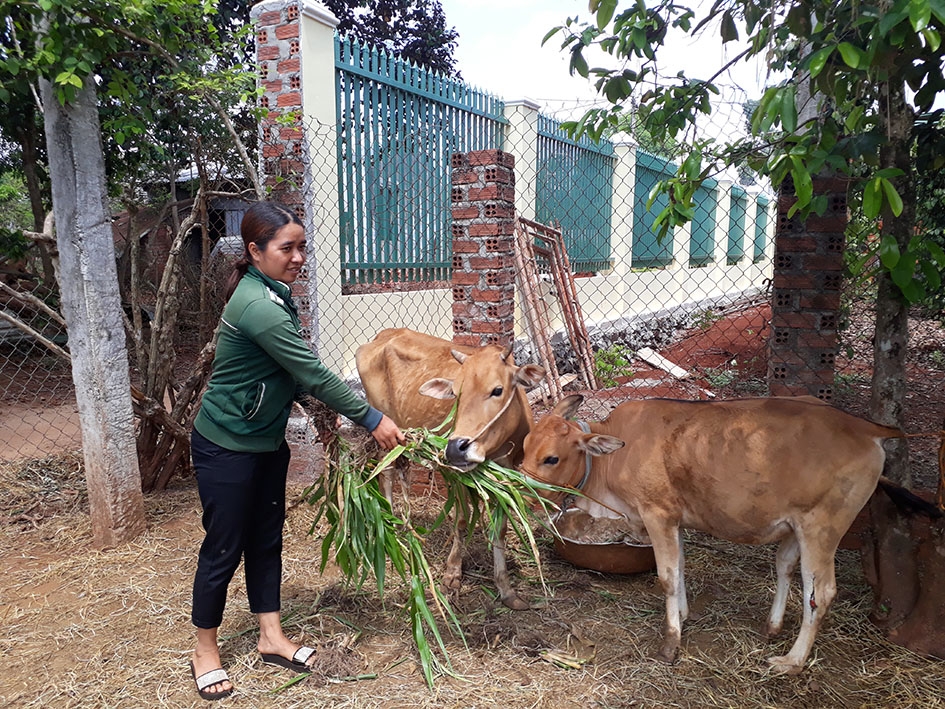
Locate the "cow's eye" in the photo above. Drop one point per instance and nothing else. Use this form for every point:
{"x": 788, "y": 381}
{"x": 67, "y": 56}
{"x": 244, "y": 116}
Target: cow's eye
{"x": 551, "y": 460}
{"x": 497, "y": 391}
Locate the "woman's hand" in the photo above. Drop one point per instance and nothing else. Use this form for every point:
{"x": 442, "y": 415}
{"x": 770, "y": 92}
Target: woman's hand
{"x": 387, "y": 433}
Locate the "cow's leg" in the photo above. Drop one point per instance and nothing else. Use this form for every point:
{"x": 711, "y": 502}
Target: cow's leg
{"x": 453, "y": 574}
{"x": 501, "y": 573}
{"x": 820, "y": 588}
{"x": 666, "y": 548}
{"x": 681, "y": 579}
{"x": 785, "y": 562}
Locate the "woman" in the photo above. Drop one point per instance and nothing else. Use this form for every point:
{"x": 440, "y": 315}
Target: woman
{"x": 238, "y": 443}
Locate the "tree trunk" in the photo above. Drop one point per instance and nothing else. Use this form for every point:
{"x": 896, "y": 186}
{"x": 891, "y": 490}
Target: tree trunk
{"x": 904, "y": 558}
{"x": 92, "y": 307}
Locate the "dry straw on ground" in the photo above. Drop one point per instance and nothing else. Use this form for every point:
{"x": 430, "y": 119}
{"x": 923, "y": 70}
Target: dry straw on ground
{"x": 85, "y": 628}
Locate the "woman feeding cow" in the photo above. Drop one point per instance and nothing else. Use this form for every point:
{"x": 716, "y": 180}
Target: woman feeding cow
{"x": 240, "y": 454}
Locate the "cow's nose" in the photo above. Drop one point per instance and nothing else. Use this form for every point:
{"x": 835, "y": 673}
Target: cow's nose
{"x": 457, "y": 451}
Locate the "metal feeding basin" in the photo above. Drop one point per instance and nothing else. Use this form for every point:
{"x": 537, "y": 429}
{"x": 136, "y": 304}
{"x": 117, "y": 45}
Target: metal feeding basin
{"x": 601, "y": 544}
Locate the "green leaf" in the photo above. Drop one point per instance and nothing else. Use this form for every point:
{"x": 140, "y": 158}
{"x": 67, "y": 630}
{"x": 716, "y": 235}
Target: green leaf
{"x": 920, "y": 12}
{"x": 818, "y": 60}
{"x": 788, "y": 109}
{"x": 872, "y": 199}
{"x": 605, "y": 12}
{"x": 728, "y": 29}
{"x": 892, "y": 196}
{"x": 932, "y": 38}
{"x": 888, "y": 251}
{"x": 850, "y": 54}
{"x": 932, "y": 276}
{"x": 938, "y": 255}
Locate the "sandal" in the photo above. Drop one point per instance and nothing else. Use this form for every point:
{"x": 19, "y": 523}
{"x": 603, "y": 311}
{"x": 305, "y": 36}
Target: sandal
{"x": 297, "y": 663}
{"x": 207, "y": 680}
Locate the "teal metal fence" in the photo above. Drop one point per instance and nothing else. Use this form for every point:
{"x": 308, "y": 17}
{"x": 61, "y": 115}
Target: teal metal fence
{"x": 574, "y": 189}
{"x": 398, "y": 126}
{"x": 702, "y": 235}
{"x": 649, "y": 251}
{"x": 736, "y": 226}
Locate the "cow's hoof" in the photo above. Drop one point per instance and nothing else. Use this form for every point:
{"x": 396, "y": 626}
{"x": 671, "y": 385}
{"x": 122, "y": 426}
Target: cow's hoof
{"x": 516, "y": 603}
{"x": 668, "y": 654}
{"x": 453, "y": 582}
{"x": 782, "y": 665}
{"x": 772, "y": 631}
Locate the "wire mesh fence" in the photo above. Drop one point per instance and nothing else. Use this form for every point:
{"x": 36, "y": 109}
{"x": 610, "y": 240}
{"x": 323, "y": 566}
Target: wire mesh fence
{"x": 687, "y": 315}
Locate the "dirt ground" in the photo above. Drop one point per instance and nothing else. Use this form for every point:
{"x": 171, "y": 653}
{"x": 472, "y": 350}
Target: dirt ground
{"x": 87, "y": 628}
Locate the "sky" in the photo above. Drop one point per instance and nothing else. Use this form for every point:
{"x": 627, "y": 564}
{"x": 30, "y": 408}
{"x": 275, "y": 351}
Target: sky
{"x": 499, "y": 50}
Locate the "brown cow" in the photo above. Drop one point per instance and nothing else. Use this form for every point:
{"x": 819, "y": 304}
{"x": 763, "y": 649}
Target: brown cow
{"x": 413, "y": 378}
{"x": 751, "y": 471}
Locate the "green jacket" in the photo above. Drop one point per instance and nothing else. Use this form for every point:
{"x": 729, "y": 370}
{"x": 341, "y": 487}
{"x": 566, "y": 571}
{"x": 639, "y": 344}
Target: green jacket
{"x": 260, "y": 363}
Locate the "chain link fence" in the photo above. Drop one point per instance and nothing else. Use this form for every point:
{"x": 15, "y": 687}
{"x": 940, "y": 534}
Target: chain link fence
{"x": 688, "y": 316}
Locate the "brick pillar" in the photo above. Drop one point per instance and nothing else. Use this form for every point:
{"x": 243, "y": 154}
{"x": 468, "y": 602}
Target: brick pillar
{"x": 808, "y": 275}
{"x": 483, "y": 206}
{"x": 277, "y": 26}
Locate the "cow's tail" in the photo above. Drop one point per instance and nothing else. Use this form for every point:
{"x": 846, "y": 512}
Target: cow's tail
{"x": 908, "y": 502}
{"x": 940, "y": 495}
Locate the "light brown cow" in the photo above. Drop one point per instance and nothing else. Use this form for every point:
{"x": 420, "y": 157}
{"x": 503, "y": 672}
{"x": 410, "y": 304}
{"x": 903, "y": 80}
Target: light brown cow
{"x": 414, "y": 378}
{"x": 751, "y": 471}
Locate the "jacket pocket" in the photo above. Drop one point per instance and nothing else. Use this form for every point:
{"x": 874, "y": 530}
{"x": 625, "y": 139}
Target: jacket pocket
{"x": 256, "y": 403}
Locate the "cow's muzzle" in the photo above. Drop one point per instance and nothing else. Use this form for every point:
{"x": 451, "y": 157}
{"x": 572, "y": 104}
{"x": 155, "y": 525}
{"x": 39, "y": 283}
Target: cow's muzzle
{"x": 462, "y": 453}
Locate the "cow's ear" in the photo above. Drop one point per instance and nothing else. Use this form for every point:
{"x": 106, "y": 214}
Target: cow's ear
{"x": 529, "y": 375}
{"x": 458, "y": 356}
{"x": 438, "y": 388}
{"x": 568, "y": 405}
{"x": 599, "y": 444}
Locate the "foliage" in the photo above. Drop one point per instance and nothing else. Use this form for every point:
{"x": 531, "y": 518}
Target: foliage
{"x": 14, "y": 204}
{"x": 612, "y": 362}
{"x": 858, "y": 58}
{"x": 365, "y": 535}
{"x": 414, "y": 30}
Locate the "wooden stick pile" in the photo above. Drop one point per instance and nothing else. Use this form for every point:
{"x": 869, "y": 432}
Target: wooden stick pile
{"x": 551, "y": 248}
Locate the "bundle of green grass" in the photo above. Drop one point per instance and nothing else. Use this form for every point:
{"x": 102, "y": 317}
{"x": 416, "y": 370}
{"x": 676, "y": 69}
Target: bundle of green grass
{"x": 365, "y": 535}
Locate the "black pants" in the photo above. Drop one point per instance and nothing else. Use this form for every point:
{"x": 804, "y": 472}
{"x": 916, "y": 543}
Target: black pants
{"x": 243, "y": 498}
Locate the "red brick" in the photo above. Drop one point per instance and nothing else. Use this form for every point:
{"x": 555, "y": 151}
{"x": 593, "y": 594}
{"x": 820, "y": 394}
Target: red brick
{"x": 794, "y": 281}
{"x": 484, "y": 229}
{"x": 466, "y": 309}
{"x": 270, "y": 51}
{"x": 498, "y": 175}
{"x": 817, "y": 340}
{"x": 830, "y": 185}
{"x": 465, "y": 212}
{"x": 288, "y": 66}
{"x": 465, "y": 246}
{"x": 465, "y": 278}
{"x": 490, "y": 157}
{"x": 464, "y": 177}
{"x": 271, "y": 150}
{"x": 789, "y": 244}
{"x": 781, "y": 388}
{"x": 289, "y": 31}
{"x": 830, "y": 224}
{"x": 491, "y": 327}
{"x": 484, "y": 263}
{"x": 488, "y": 295}
{"x": 801, "y": 321}
{"x": 820, "y": 301}
{"x": 465, "y": 339}
{"x": 816, "y": 262}
{"x": 273, "y": 86}
{"x": 290, "y": 133}
{"x": 273, "y": 17}
{"x": 503, "y": 244}
{"x": 292, "y": 98}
